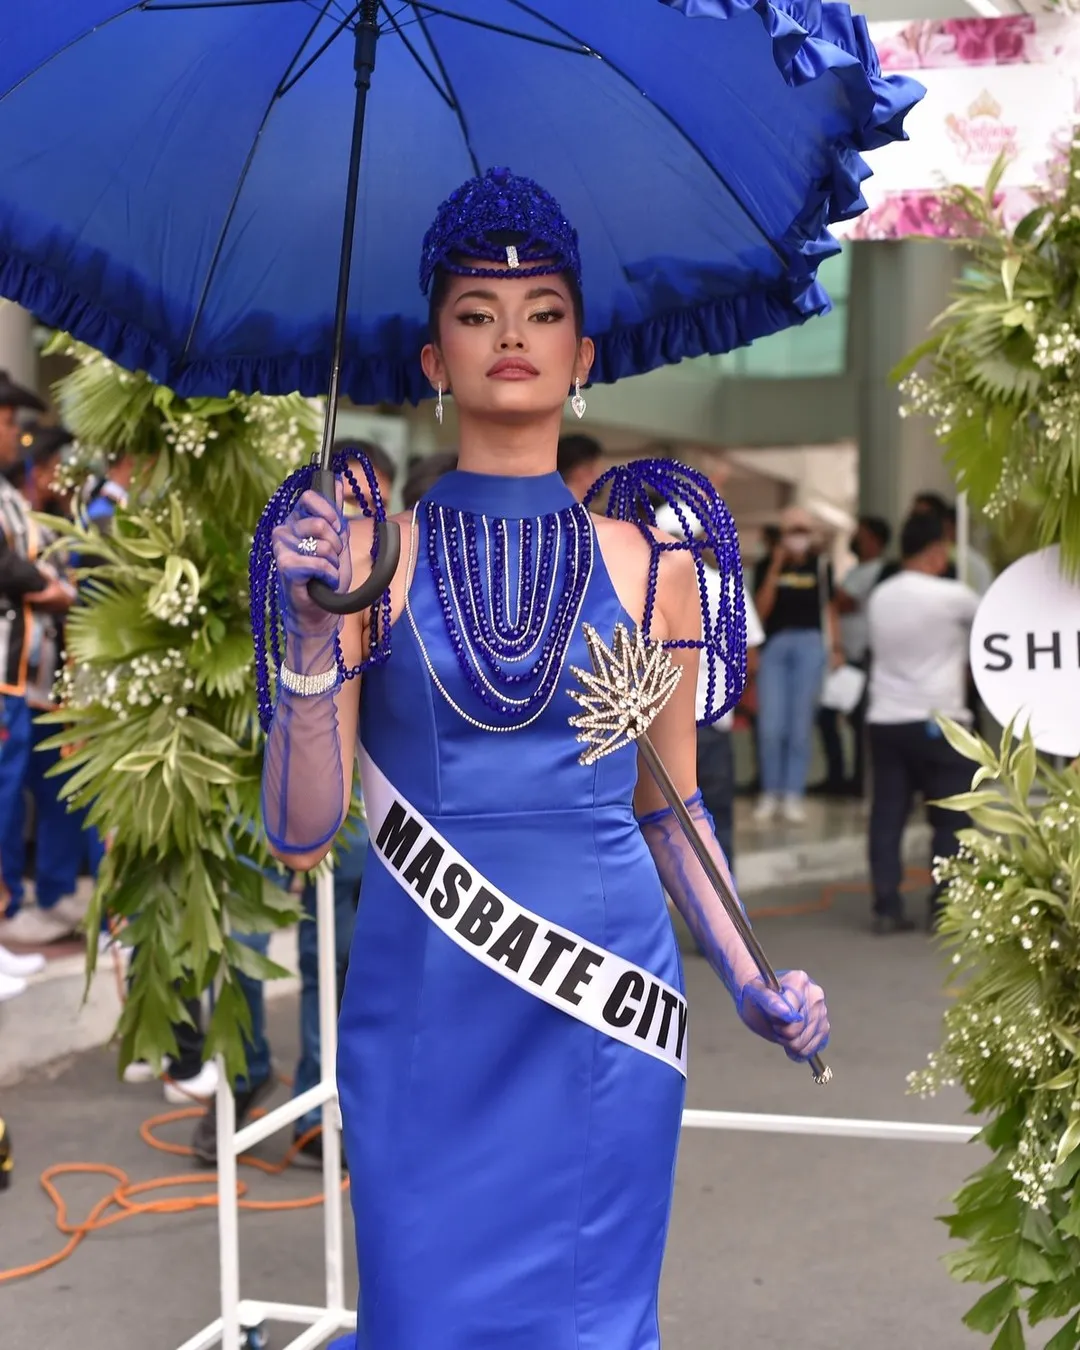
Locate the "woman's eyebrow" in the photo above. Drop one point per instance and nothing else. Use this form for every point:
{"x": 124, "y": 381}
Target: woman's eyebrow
{"x": 535, "y": 294}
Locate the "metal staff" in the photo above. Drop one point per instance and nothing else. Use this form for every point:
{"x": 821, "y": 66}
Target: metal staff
{"x": 629, "y": 683}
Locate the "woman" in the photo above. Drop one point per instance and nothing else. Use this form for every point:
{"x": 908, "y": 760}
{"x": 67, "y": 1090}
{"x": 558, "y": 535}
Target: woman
{"x": 511, "y": 1141}
{"x": 793, "y": 591}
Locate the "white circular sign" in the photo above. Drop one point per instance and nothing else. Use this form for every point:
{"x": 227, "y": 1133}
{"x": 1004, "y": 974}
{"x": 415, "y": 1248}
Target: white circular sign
{"x": 1025, "y": 651}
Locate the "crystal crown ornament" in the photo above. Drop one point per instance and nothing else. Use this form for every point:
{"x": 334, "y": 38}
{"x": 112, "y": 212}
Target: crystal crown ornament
{"x": 628, "y": 685}
{"x": 475, "y": 220}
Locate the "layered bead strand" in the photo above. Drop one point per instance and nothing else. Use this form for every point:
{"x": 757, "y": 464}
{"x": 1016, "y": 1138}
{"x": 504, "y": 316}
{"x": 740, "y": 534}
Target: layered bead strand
{"x": 510, "y": 605}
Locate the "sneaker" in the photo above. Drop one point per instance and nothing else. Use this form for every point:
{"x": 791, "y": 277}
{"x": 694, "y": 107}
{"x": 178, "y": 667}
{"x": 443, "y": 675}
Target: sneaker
{"x": 139, "y": 1071}
{"x": 793, "y": 810}
{"x": 11, "y": 986}
{"x": 20, "y": 966}
{"x": 35, "y": 928}
{"x": 72, "y": 911}
{"x": 766, "y": 808}
{"x": 184, "y": 1091}
{"x": 204, "y": 1140}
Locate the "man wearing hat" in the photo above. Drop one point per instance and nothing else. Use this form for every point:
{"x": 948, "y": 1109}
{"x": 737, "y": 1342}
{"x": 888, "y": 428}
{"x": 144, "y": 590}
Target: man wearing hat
{"x": 32, "y": 598}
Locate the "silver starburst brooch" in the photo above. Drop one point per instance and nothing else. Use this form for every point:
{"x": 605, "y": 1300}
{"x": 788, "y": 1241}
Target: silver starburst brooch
{"x": 628, "y": 685}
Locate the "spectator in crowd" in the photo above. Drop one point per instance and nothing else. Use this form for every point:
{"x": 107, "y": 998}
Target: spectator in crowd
{"x": 919, "y": 627}
{"x": 382, "y": 465}
{"x": 103, "y": 496}
{"x": 580, "y": 462}
{"x": 980, "y": 574}
{"x": 65, "y": 845}
{"x": 33, "y": 599}
{"x": 869, "y": 545}
{"x": 715, "y": 754}
{"x": 793, "y": 592}
{"x": 424, "y": 472}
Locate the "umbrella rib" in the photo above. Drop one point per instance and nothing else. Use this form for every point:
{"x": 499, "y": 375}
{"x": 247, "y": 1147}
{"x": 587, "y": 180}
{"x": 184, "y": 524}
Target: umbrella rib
{"x": 459, "y": 111}
{"x": 499, "y": 28}
{"x": 151, "y": 8}
{"x": 680, "y": 131}
{"x": 241, "y": 180}
{"x": 446, "y": 96}
{"x": 290, "y": 78}
{"x": 52, "y": 56}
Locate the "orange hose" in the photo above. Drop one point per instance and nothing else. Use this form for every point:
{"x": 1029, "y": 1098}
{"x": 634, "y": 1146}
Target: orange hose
{"x": 121, "y": 1197}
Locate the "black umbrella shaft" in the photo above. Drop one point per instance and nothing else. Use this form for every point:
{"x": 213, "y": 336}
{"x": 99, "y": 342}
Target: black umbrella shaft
{"x": 367, "y": 36}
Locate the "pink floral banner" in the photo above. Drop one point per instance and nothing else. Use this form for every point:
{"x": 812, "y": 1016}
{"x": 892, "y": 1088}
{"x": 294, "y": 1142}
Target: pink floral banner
{"x": 1010, "y": 84}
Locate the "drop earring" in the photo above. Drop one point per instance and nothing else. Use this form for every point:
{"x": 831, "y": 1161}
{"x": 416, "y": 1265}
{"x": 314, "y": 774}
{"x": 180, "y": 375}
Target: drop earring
{"x": 577, "y": 402}
{"x": 438, "y": 404}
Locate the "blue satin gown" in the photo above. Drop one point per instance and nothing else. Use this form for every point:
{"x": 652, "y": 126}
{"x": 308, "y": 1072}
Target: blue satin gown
{"x": 511, "y": 1168}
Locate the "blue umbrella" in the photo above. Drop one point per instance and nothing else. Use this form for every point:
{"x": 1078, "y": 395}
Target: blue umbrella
{"x": 173, "y": 173}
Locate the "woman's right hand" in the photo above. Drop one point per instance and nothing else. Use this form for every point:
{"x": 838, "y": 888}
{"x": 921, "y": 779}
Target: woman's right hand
{"x": 313, "y": 518}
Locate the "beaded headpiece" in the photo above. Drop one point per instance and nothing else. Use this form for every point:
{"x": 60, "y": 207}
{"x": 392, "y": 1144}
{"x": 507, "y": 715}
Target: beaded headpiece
{"x": 470, "y": 221}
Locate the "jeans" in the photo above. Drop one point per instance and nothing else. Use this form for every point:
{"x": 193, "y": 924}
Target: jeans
{"x": 347, "y": 878}
{"x": 256, "y": 1046}
{"x": 63, "y": 839}
{"x": 908, "y": 758}
{"x": 716, "y": 779}
{"x": 789, "y": 683}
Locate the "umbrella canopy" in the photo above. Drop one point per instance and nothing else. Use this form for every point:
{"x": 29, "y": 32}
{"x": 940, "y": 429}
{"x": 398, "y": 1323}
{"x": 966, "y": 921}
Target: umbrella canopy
{"x": 172, "y": 172}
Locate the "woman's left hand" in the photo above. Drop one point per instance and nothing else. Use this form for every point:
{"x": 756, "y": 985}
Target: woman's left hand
{"x": 795, "y": 1018}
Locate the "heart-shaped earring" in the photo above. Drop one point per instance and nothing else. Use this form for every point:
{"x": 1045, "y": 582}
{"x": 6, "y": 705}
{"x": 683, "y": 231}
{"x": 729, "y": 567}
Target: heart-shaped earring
{"x": 577, "y": 402}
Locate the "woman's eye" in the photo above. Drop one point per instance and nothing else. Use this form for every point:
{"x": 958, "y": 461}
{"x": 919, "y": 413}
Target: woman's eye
{"x": 548, "y": 316}
{"x": 474, "y": 318}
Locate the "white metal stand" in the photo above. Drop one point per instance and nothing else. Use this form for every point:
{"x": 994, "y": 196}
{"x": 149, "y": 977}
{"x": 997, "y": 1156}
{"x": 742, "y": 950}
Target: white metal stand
{"x": 240, "y": 1316}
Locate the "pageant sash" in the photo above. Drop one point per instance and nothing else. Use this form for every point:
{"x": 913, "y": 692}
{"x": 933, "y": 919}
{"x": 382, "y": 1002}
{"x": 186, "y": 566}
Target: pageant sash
{"x": 549, "y": 962}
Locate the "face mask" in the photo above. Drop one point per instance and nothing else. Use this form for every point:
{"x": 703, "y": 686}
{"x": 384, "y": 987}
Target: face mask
{"x": 798, "y": 541}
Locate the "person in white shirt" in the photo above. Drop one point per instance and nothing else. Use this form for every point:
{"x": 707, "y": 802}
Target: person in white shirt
{"x": 715, "y": 756}
{"x": 920, "y": 623}
{"x": 979, "y": 575}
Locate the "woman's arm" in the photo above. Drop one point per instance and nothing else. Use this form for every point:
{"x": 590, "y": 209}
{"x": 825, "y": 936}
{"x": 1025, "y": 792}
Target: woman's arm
{"x": 310, "y": 749}
{"x": 795, "y": 1018}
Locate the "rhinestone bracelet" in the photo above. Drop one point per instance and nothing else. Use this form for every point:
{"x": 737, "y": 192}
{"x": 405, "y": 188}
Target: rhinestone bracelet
{"x": 308, "y": 685}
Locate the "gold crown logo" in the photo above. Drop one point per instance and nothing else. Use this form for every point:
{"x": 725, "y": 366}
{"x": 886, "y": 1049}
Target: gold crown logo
{"x": 985, "y": 106}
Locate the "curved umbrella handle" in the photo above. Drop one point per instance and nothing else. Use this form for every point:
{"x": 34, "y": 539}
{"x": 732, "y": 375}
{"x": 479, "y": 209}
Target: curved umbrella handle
{"x": 388, "y": 538}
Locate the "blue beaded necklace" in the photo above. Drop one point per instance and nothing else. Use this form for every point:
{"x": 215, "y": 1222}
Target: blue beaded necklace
{"x": 510, "y": 590}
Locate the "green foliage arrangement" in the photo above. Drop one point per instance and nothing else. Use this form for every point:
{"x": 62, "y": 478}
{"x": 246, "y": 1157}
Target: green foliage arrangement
{"x": 1000, "y": 375}
{"x": 158, "y": 711}
{"x": 1012, "y": 1037}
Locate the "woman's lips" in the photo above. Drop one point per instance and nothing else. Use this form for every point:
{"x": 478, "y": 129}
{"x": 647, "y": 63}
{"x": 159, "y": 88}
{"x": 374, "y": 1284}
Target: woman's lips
{"x": 512, "y": 369}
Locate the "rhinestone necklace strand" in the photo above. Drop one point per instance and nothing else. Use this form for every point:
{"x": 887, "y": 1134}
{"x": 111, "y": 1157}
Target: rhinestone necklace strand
{"x": 433, "y": 674}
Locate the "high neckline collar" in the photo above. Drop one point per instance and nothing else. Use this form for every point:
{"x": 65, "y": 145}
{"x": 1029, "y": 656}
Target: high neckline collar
{"x": 490, "y": 494}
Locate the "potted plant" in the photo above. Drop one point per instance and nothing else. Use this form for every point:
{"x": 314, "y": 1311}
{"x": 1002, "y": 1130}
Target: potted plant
{"x": 158, "y": 714}
{"x": 1000, "y": 375}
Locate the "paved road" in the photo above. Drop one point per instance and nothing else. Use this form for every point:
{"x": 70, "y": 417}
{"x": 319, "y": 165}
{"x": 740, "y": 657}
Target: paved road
{"x": 812, "y": 1243}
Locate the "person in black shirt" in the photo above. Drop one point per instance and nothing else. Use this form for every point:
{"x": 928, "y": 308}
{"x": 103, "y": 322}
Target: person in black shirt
{"x": 793, "y": 591}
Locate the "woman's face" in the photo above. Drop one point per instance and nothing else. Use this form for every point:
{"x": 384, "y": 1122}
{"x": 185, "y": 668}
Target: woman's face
{"x": 507, "y": 347}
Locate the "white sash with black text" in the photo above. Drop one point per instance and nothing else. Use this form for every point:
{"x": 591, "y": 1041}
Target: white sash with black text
{"x": 550, "y": 962}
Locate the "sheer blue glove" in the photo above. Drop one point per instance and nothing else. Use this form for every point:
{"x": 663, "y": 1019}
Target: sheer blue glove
{"x": 303, "y": 790}
{"x": 797, "y": 1017}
